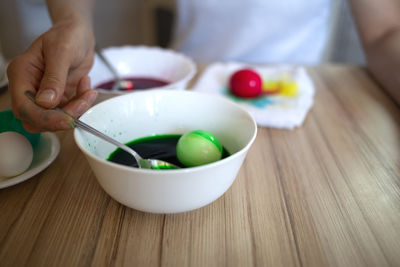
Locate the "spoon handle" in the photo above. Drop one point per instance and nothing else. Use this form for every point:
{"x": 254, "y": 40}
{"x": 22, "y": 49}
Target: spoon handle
{"x": 97, "y": 133}
{"x": 84, "y": 126}
{"x": 109, "y": 66}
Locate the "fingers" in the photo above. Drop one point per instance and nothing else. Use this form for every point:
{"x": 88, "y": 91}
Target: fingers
{"x": 83, "y": 86}
{"x": 52, "y": 69}
{"x": 72, "y": 86}
{"x": 24, "y": 74}
{"x": 80, "y": 105}
{"x": 58, "y": 62}
{"x": 38, "y": 119}
{"x": 84, "y": 99}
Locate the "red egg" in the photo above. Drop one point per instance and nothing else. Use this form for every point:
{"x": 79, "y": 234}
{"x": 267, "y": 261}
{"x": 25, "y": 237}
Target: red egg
{"x": 246, "y": 83}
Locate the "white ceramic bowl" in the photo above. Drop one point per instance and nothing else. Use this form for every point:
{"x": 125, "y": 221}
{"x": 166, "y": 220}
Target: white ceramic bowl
{"x": 146, "y": 113}
{"x": 144, "y": 62}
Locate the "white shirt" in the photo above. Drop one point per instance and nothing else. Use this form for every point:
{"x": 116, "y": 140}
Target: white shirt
{"x": 254, "y": 31}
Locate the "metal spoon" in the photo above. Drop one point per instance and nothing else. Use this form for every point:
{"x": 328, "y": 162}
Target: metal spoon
{"x": 119, "y": 83}
{"x": 155, "y": 164}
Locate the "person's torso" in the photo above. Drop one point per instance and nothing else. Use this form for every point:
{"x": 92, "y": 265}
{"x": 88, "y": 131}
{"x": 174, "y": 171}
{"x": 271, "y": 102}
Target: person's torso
{"x": 255, "y": 31}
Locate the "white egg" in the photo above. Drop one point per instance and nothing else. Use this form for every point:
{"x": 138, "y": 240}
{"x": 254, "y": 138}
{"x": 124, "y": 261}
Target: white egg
{"x": 16, "y": 154}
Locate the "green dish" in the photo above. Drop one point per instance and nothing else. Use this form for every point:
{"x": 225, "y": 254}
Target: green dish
{"x": 9, "y": 123}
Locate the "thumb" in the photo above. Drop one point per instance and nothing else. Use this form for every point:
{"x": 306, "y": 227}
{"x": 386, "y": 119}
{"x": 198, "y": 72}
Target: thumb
{"x": 53, "y": 82}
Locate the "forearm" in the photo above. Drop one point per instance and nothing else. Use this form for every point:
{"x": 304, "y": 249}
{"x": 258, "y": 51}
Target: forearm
{"x": 378, "y": 23}
{"x": 383, "y": 59}
{"x": 77, "y": 10}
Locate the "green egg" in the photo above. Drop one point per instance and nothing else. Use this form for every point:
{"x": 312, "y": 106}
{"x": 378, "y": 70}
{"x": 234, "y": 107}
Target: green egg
{"x": 198, "y": 148}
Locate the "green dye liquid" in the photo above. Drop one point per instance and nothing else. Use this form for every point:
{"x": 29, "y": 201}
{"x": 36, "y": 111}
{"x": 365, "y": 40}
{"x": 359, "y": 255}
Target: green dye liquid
{"x": 162, "y": 147}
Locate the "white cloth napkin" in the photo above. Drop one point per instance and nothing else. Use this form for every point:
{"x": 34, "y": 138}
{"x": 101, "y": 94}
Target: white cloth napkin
{"x": 274, "y": 111}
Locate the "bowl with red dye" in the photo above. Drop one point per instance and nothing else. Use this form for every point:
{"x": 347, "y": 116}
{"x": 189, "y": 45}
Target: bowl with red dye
{"x": 145, "y": 67}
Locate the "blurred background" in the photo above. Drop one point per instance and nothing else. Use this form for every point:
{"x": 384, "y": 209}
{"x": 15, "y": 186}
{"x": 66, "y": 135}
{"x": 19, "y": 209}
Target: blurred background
{"x": 148, "y": 22}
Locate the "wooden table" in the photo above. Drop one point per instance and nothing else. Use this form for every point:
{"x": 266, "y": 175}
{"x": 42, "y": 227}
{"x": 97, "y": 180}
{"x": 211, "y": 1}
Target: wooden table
{"x": 325, "y": 194}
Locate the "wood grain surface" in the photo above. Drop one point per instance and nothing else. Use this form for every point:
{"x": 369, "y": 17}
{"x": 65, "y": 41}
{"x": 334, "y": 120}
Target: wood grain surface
{"x": 324, "y": 194}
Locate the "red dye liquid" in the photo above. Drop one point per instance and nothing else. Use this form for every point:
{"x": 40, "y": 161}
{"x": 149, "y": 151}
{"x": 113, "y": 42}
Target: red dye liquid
{"x": 139, "y": 83}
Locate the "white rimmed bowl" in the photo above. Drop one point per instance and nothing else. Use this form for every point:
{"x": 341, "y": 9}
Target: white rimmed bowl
{"x": 146, "y": 113}
{"x": 144, "y": 62}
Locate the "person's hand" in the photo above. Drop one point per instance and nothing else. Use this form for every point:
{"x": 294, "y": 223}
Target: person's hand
{"x": 55, "y": 68}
